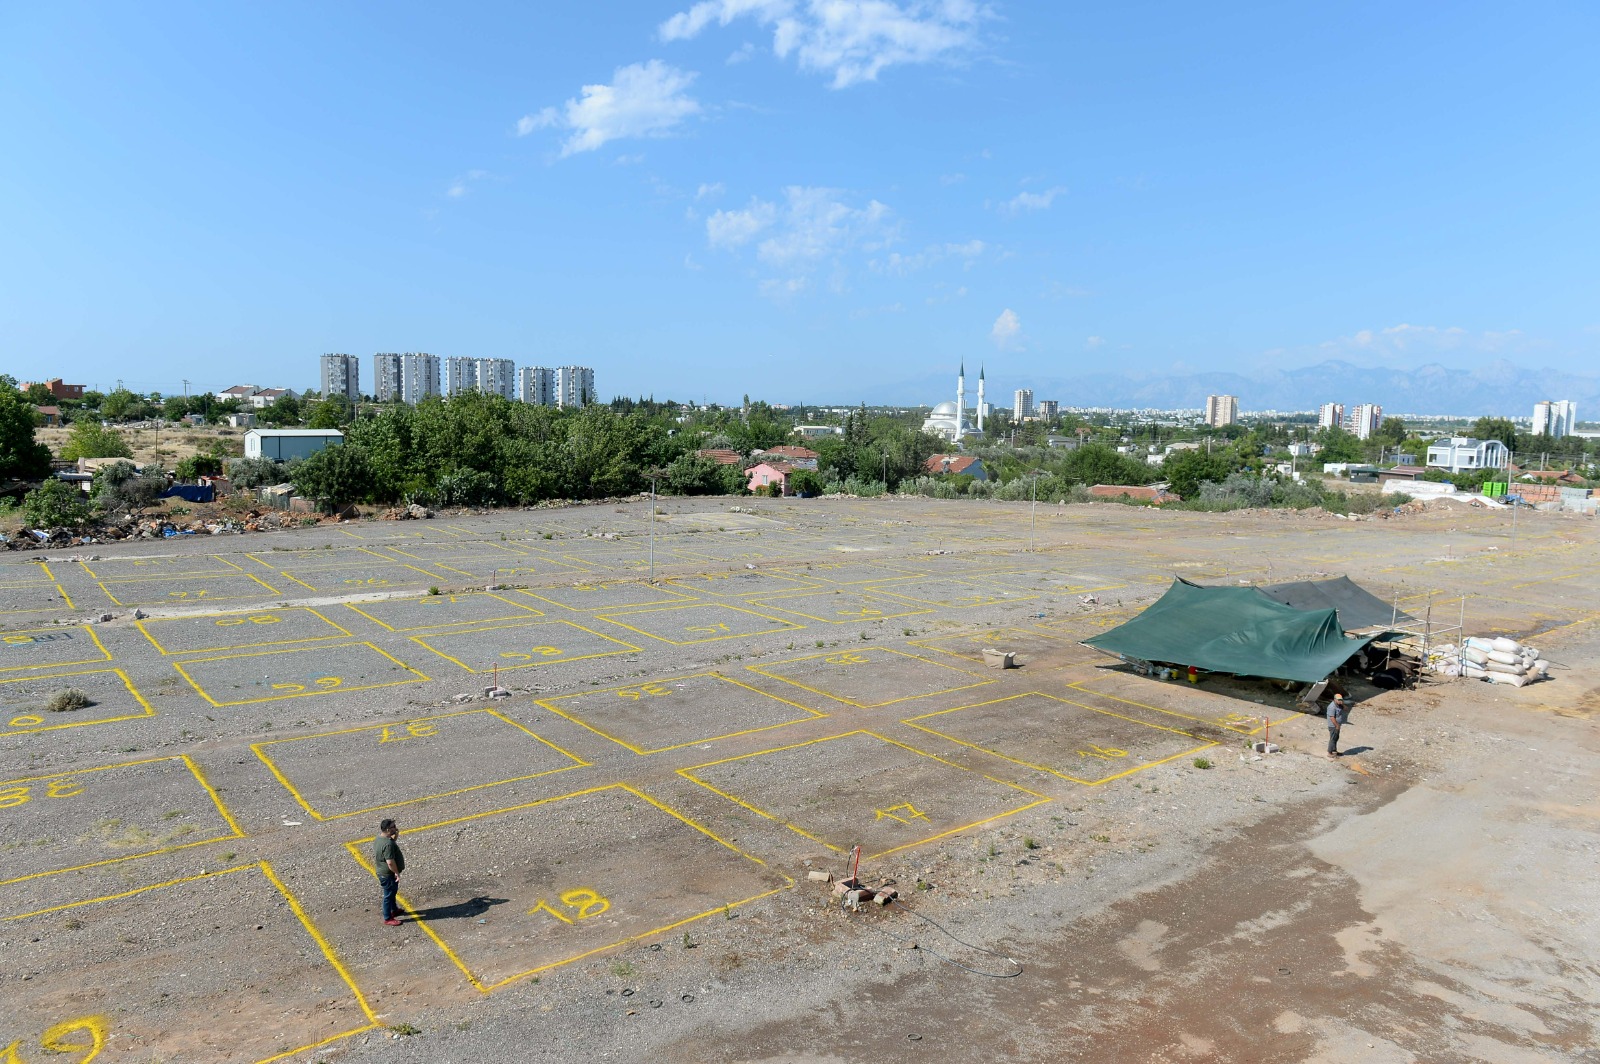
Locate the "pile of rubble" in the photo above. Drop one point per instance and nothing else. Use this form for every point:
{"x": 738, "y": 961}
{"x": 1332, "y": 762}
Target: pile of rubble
{"x": 406, "y": 513}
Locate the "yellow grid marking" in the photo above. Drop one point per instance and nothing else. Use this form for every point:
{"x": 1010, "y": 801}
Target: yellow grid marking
{"x": 577, "y": 762}
{"x": 25, "y": 729}
{"x": 1234, "y": 722}
{"x": 186, "y": 579}
{"x": 1205, "y": 744}
{"x": 15, "y": 639}
{"x": 179, "y": 665}
{"x": 522, "y": 612}
{"x": 559, "y": 656}
{"x": 278, "y": 884}
{"x": 864, "y": 653}
{"x": 355, "y": 846}
{"x": 236, "y": 567}
{"x": 246, "y": 615}
{"x": 236, "y": 832}
{"x": 549, "y": 703}
{"x": 786, "y": 626}
{"x": 688, "y": 774}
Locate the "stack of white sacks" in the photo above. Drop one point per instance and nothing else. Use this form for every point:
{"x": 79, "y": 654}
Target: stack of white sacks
{"x": 1498, "y": 660}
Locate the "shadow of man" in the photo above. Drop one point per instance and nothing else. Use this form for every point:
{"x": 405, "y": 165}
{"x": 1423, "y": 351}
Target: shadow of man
{"x": 461, "y": 910}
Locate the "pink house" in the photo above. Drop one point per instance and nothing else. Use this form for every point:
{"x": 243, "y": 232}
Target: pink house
{"x": 763, "y": 473}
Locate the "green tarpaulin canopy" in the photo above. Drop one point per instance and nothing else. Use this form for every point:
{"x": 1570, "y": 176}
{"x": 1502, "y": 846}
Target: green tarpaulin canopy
{"x": 1358, "y": 607}
{"x": 1234, "y": 629}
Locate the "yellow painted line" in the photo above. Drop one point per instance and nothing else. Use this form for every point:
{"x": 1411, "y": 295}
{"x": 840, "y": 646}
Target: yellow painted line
{"x": 762, "y": 671}
{"x": 523, "y": 612}
{"x": 354, "y": 847}
{"x": 688, "y": 774}
{"x": 1235, "y": 724}
{"x": 624, "y": 648}
{"x": 271, "y": 876}
{"x": 179, "y": 665}
{"x": 194, "y": 770}
{"x": 1570, "y": 624}
{"x": 577, "y": 762}
{"x": 844, "y": 616}
{"x": 549, "y": 703}
{"x": 12, "y": 638}
{"x": 28, "y": 729}
{"x": 48, "y": 575}
{"x": 1205, "y": 744}
{"x": 338, "y": 632}
{"x": 289, "y": 576}
{"x": 787, "y": 626}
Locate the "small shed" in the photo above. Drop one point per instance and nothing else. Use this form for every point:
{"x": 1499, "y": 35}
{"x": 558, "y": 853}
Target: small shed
{"x": 283, "y": 444}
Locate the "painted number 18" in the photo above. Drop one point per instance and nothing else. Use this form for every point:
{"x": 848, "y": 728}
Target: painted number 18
{"x": 580, "y": 904}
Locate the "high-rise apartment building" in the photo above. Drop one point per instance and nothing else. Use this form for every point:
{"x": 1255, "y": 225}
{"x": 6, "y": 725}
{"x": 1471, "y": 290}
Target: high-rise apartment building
{"x": 1364, "y": 419}
{"x": 341, "y": 375}
{"x": 497, "y": 376}
{"x": 419, "y": 376}
{"x": 1330, "y": 416}
{"x": 386, "y": 376}
{"x": 1049, "y": 409}
{"x": 1221, "y": 410}
{"x": 1556, "y": 419}
{"x": 460, "y": 375}
{"x": 1022, "y": 403}
{"x": 537, "y": 386}
{"x": 574, "y": 386}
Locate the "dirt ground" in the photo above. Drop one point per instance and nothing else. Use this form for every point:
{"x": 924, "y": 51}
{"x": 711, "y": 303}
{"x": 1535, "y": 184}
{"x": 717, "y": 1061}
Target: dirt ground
{"x": 612, "y": 861}
{"x": 164, "y": 446}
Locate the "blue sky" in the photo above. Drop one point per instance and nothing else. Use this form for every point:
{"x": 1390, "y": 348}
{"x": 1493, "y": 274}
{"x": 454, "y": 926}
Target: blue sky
{"x": 797, "y": 199}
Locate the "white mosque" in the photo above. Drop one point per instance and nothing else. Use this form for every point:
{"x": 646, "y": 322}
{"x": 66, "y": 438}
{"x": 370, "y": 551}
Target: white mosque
{"x": 950, "y": 419}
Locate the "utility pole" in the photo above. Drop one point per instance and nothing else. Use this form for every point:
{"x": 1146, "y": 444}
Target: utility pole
{"x": 186, "y": 390}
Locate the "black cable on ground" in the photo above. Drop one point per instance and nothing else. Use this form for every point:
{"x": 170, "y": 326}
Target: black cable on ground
{"x": 948, "y": 960}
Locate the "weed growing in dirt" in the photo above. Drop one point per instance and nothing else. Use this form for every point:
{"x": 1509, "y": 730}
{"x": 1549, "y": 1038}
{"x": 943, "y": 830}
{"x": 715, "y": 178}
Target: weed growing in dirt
{"x": 68, "y": 700}
{"x": 404, "y": 1030}
{"x": 622, "y": 969}
{"x": 1202, "y": 763}
{"x": 1029, "y": 843}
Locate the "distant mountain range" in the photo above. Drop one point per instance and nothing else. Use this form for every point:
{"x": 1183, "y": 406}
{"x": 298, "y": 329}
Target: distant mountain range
{"x": 1498, "y": 388}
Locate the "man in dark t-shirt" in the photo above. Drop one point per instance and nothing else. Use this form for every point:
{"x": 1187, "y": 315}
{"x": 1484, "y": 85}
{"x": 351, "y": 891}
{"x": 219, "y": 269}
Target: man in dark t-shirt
{"x": 389, "y": 863}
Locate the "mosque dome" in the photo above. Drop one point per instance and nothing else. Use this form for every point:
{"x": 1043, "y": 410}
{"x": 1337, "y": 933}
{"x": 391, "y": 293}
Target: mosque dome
{"x": 944, "y": 410}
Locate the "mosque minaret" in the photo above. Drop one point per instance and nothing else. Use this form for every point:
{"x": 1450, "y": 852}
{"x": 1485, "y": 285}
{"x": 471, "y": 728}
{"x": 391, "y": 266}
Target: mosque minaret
{"x": 981, "y": 403}
{"x": 950, "y": 419}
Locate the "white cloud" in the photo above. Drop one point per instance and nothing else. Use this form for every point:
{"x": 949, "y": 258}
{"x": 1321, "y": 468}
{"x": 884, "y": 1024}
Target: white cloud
{"x": 709, "y": 191}
{"x": 1094, "y": 341}
{"x": 850, "y": 40}
{"x": 1406, "y": 343}
{"x": 898, "y": 265}
{"x": 734, "y": 229}
{"x": 463, "y": 184}
{"x": 809, "y": 229}
{"x": 1031, "y": 201}
{"x": 1007, "y": 330}
{"x": 643, "y": 100}
{"x": 743, "y": 54}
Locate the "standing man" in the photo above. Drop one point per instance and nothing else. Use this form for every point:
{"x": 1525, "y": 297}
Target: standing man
{"x": 1338, "y": 713}
{"x": 389, "y": 862}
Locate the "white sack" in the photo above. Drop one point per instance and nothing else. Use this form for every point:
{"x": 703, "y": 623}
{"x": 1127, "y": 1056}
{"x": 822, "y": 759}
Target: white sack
{"x": 1508, "y": 678}
{"x": 1507, "y": 646}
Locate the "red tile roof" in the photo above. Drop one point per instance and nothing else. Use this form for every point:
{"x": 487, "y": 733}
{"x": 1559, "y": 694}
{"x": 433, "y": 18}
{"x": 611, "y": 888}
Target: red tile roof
{"x": 950, "y": 463}
{"x": 721, "y": 455}
{"x": 788, "y": 451}
{"x": 1134, "y": 491}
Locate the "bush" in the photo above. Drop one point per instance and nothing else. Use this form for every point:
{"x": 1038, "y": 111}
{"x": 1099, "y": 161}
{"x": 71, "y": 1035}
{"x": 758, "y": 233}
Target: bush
{"x": 90, "y": 439}
{"x": 255, "y": 472}
{"x": 1201, "y": 763}
{"x": 67, "y": 700}
{"x": 55, "y": 504}
{"x": 342, "y": 474}
{"x": 199, "y": 465}
{"x": 120, "y": 486}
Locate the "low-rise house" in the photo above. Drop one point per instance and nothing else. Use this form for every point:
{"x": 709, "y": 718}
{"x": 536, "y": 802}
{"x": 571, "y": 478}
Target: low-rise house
{"x": 720, "y": 455}
{"x": 265, "y": 397}
{"x": 1458, "y": 454}
{"x": 241, "y": 392}
{"x": 49, "y": 416}
{"x": 56, "y": 387}
{"x": 817, "y": 432}
{"x": 957, "y": 465}
{"x": 1547, "y": 476}
{"x": 283, "y": 444}
{"x": 798, "y": 457}
{"x": 1156, "y": 496}
{"x": 763, "y": 474}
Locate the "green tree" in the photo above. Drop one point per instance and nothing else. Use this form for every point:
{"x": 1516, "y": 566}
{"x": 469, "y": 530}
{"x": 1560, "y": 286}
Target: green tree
{"x": 1187, "y": 470}
{"x": 1340, "y": 446}
{"x": 1495, "y": 428}
{"x": 255, "y": 472}
{"x": 199, "y": 465}
{"x": 55, "y": 504}
{"x": 285, "y": 410}
{"x": 90, "y": 439}
{"x": 333, "y": 412}
{"x": 123, "y": 405}
{"x": 21, "y": 457}
{"x": 1392, "y": 433}
{"x": 334, "y": 475}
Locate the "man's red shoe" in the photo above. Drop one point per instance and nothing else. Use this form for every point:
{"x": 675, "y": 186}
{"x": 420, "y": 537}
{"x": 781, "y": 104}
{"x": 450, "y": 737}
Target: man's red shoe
{"x": 392, "y": 922}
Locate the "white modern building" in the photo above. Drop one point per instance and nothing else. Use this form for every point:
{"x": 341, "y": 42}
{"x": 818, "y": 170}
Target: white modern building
{"x": 1221, "y": 410}
{"x": 1461, "y": 453}
{"x": 1022, "y": 404}
{"x": 537, "y": 386}
{"x": 1049, "y": 409}
{"x": 386, "y": 376}
{"x": 419, "y": 376}
{"x": 574, "y": 386}
{"x": 283, "y": 444}
{"x": 497, "y": 376}
{"x": 1364, "y": 420}
{"x": 1555, "y": 419}
{"x": 460, "y": 375}
{"x": 1330, "y": 416}
{"x": 341, "y": 375}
